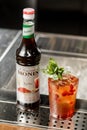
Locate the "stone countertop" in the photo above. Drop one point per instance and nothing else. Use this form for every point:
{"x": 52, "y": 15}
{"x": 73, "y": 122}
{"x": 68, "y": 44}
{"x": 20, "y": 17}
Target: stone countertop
{"x": 6, "y": 38}
{"x": 63, "y": 43}
{"x": 71, "y": 49}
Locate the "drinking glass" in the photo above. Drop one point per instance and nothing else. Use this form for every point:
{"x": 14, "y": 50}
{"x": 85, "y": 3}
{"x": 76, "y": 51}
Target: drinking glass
{"x": 62, "y": 96}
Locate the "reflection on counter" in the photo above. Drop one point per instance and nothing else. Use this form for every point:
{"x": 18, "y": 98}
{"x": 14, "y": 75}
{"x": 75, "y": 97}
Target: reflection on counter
{"x": 28, "y": 116}
{"x": 62, "y": 124}
{"x": 40, "y": 118}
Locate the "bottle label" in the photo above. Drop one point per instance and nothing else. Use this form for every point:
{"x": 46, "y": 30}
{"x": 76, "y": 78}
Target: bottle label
{"x": 28, "y": 30}
{"x": 27, "y": 83}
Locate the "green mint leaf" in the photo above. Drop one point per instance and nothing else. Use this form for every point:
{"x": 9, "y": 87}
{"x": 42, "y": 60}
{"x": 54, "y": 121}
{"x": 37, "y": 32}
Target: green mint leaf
{"x": 53, "y": 69}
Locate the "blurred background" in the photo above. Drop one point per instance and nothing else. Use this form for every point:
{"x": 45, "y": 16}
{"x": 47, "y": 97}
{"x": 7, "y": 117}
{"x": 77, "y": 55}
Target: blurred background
{"x": 54, "y": 16}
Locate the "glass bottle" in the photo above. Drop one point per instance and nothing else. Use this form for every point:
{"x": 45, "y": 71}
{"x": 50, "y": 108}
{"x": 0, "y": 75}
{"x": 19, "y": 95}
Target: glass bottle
{"x": 28, "y": 58}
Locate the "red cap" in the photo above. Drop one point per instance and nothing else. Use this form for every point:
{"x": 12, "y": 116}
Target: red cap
{"x": 28, "y": 11}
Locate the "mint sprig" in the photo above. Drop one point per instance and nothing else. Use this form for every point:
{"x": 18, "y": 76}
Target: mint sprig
{"x": 53, "y": 69}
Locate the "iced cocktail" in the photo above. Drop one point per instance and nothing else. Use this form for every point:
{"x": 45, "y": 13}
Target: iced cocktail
{"x": 62, "y": 96}
{"x": 62, "y": 86}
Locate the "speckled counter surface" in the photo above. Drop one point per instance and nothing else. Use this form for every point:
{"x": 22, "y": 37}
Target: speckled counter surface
{"x": 68, "y": 51}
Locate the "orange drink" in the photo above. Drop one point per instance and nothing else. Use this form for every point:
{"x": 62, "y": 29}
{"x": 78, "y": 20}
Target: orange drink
{"x": 62, "y": 96}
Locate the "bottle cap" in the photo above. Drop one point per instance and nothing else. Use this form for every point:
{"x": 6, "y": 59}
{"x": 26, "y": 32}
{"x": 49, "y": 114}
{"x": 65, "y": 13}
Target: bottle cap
{"x": 28, "y": 13}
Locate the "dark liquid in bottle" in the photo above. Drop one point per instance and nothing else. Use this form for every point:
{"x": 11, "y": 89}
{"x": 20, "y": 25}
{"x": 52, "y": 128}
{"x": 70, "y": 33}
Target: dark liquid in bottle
{"x": 32, "y": 106}
{"x": 28, "y": 55}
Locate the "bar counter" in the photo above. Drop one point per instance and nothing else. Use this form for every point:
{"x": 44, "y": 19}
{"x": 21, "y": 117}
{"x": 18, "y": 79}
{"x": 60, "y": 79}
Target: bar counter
{"x": 69, "y": 51}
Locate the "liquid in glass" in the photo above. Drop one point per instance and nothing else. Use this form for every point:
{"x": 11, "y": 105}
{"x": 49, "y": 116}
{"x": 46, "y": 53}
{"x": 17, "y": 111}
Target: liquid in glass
{"x": 62, "y": 96}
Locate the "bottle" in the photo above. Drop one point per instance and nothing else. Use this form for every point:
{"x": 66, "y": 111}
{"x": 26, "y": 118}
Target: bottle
{"x": 28, "y": 58}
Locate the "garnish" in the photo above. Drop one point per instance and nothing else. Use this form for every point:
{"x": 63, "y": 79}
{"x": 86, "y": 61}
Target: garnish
{"x": 53, "y": 69}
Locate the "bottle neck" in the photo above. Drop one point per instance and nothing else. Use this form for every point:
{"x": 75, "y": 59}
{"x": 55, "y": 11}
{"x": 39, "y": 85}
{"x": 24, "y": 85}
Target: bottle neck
{"x": 28, "y": 29}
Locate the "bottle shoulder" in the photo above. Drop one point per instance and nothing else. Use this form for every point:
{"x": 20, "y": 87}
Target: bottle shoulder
{"x": 26, "y": 56}
{"x": 28, "y": 52}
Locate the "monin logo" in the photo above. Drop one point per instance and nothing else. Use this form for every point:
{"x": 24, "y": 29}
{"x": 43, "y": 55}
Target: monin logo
{"x": 24, "y": 73}
{"x": 27, "y": 31}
